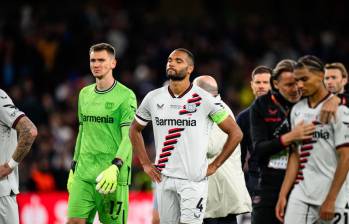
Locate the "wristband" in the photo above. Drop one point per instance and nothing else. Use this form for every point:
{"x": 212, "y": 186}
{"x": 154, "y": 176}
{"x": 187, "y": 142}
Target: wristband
{"x": 118, "y": 162}
{"x": 12, "y": 164}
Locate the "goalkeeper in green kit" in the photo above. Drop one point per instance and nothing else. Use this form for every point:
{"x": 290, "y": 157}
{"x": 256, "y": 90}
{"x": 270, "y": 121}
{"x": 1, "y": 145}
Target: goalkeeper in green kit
{"x": 100, "y": 174}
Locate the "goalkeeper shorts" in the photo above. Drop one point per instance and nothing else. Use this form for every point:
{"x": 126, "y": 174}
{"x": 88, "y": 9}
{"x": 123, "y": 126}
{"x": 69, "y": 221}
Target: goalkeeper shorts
{"x": 84, "y": 201}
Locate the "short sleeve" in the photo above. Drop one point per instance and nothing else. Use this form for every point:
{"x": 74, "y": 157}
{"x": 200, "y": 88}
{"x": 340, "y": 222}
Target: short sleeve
{"x": 9, "y": 113}
{"x": 143, "y": 114}
{"x": 341, "y": 127}
{"x": 128, "y": 110}
{"x": 217, "y": 111}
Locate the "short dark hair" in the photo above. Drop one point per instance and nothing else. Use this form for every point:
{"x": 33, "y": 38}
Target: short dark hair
{"x": 103, "y": 47}
{"x": 286, "y": 65}
{"x": 260, "y": 70}
{"x": 339, "y": 66}
{"x": 310, "y": 62}
{"x": 190, "y": 55}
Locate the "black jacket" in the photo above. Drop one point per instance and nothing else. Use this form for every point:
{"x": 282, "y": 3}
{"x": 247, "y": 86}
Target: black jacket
{"x": 269, "y": 120}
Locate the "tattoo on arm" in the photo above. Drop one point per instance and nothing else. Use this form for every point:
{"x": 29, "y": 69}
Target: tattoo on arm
{"x": 27, "y": 133}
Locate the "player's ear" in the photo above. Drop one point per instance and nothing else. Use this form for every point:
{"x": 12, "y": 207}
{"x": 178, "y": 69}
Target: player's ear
{"x": 114, "y": 63}
{"x": 190, "y": 68}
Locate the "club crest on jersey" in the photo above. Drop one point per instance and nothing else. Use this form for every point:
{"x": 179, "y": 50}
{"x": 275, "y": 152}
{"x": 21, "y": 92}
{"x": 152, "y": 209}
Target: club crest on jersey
{"x": 190, "y": 107}
{"x": 109, "y": 105}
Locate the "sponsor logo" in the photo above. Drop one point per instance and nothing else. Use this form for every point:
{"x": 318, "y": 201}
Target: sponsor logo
{"x": 160, "y": 106}
{"x": 10, "y": 106}
{"x": 272, "y": 111}
{"x": 297, "y": 114}
{"x": 175, "y": 122}
{"x": 14, "y": 113}
{"x": 177, "y": 107}
{"x": 97, "y": 119}
{"x": 321, "y": 134}
{"x": 3, "y": 97}
{"x": 219, "y": 104}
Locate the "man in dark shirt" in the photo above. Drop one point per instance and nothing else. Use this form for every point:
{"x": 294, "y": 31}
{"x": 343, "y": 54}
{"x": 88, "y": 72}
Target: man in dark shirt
{"x": 271, "y": 137}
{"x": 260, "y": 85}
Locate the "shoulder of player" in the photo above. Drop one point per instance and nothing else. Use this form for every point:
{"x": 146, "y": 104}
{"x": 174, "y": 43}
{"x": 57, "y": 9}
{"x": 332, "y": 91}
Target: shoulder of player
{"x": 227, "y": 108}
{"x": 343, "y": 111}
{"x": 300, "y": 106}
{"x": 261, "y": 102}
{"x": 4, "y": 98}
{"x": 303, "y": 102}
{"x": 3, "y": 93}
{"x": 87, "y": 89}
{"x": 201, "y": 92}
{"x": 127, "y": 92}
{"x": 124, "y": 88}
{"x": 156, "y": 93}
{"x": 206, "y": 97}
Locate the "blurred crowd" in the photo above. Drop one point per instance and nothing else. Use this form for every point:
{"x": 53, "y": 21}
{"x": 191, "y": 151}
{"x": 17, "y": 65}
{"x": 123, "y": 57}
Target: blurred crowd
{"x": 44, "y": 59}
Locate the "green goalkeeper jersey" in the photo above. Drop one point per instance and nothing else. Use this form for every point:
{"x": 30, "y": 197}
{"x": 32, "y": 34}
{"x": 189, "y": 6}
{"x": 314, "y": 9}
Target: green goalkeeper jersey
{"x": 104, "y": 117}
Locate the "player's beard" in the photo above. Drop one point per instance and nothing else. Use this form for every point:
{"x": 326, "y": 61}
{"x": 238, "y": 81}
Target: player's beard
{"x": 176, "y": 76}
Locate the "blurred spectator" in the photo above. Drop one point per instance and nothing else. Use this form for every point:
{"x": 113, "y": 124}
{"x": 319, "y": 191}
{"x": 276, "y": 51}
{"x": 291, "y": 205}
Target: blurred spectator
{"x": 42, "y": 46}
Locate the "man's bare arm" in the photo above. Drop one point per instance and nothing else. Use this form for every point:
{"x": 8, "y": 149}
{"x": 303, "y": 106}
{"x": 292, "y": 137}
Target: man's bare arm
{"x": 287, "y": 184}
{"x": 328, "y": 206}
{"x": 27, "y": 133}
{"x": 139, "y": 150}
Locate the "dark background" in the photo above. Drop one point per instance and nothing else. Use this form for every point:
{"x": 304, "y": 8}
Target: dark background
{"x": 44, "y": 59}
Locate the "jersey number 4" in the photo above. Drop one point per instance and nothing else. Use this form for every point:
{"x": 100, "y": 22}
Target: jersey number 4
{"x": 199, "y": 205}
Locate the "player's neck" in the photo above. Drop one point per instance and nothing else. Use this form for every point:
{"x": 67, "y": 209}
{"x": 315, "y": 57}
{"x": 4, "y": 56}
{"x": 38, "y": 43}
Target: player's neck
{"x": 105, "y": 82}
{"x": 179, "y": 87}
{"x": 319, "y": 95}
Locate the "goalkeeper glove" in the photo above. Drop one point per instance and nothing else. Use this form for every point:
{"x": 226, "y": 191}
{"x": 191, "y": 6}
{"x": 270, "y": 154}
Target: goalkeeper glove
{"x": 71, "y": 175}
{"x": 107, "y": 180}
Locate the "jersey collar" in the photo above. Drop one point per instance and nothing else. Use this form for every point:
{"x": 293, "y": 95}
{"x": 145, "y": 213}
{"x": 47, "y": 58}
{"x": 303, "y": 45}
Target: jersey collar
{"x": 107, "y": 90}
{"x": 323, "y": 99}
{"x": 180, "y": 96}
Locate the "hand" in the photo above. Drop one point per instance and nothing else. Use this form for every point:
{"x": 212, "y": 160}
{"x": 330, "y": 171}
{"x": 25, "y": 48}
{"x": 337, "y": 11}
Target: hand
{"x": 280, "y": 209}
{"x": 5, "y": 170}
{"x": 303, "y": 131}
{"x": 327, "y": 210}
{"x": 152, "y": 172}
{"x": 70, "y": 180}
{"x": 107, "y": 180}
{"x": 211, "y": 169}
{"x": 329, "y": 109}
